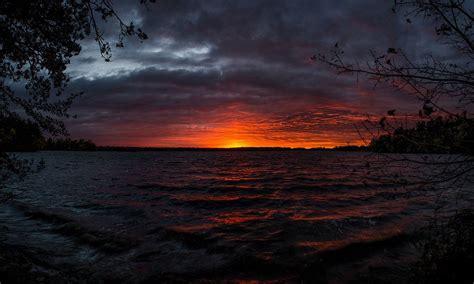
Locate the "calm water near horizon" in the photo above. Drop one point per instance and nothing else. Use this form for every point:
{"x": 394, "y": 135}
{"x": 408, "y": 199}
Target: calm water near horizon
{"x": 236, "y": 214}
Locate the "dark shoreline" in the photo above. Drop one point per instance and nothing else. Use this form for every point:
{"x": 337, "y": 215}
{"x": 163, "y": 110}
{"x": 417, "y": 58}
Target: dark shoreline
{"x": 193, "y": 149}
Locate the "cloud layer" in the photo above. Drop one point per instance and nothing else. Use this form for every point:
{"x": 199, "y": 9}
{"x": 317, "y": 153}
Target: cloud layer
{"x": 238, "y": 73}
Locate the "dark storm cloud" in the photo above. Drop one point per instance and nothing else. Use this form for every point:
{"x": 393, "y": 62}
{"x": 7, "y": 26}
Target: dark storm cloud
{"x": 210, "y": 62}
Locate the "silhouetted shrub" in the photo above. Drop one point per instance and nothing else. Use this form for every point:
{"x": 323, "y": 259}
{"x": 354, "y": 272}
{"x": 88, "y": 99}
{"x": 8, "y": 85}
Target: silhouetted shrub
{"x": 448, "y": 251}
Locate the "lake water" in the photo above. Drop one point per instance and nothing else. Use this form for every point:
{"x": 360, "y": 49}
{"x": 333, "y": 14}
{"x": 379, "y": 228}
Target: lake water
{"x": 226, "y": 215}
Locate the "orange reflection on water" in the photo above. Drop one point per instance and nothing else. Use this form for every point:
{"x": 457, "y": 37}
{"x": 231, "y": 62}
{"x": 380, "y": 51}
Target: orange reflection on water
{"x": 367, "y": 212}
{"x": 364, "y": 236}
{"x": 241, "y": 216}
{"x": 191, "y": 228}
{"x": 205, "y": 198}
{"x": 231, "y": 220}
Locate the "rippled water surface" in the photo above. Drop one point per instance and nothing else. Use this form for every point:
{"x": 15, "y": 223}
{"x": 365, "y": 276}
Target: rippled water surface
{"x": 236, "y": 214}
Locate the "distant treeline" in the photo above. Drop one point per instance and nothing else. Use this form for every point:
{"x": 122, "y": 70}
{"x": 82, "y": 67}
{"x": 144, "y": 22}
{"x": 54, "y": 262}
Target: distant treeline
{"x": 351, "y": 148}
{"x": 69, "y": 145}
{"x": 19, "y": 135}
{"x": 140, "y": 149}
{"x": 454, "y": 134}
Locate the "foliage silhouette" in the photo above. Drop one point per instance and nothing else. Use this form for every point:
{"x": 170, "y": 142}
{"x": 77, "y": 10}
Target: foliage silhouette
{"x": 448, "y": 250}
{"x": 432, "y": 80}
{"x": 19, "y": 135}
{"x": 38, "y": 40}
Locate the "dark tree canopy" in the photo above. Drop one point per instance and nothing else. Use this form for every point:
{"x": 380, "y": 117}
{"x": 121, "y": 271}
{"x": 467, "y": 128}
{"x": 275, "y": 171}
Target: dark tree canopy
{"x": 38, "y": 39}
{"x": 448, "y": 135}
{"x": 20, "y": 135}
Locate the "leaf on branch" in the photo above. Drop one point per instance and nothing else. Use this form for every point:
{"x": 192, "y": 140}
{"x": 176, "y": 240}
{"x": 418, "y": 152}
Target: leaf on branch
{"x": 141, "y": 34}
{"x": 444, "y": 30}
{"x": 391, "y": 112}
{"x": 428, "y": 110}
{"x": 392, "y": 50}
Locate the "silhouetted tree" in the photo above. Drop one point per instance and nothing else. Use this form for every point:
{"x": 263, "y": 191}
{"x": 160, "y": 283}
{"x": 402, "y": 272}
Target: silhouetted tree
{"x": 17, "y": 134}
{"x": 447, "y": 250}
{"x": 20, "y": 135}
{"x": 38, "y": 39}
{"x": 431, "y": 80}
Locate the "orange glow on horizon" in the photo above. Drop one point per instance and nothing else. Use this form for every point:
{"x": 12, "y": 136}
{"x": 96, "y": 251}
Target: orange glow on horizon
{"x": 236, "y": 127}
{"x": 237, "y": 138}
{"x": 216, "y": 139}
{"x": 235, "y": 144}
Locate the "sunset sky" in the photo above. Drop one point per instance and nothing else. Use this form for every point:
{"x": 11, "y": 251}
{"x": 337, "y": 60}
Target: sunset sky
{"x": 238, "y": 73}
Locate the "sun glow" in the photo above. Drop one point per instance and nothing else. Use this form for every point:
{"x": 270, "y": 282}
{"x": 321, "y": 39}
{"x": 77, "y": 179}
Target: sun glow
{"x": 235, "y": 144}
{"x": 236, "y": 127}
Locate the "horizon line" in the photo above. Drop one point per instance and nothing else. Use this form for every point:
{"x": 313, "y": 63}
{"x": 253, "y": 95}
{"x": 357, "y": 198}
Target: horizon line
{"x": 227, "y": 148}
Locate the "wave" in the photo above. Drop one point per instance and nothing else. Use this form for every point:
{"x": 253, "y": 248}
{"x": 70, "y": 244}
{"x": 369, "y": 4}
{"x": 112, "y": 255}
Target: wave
{"x": 244, "y": 266}
{"x": 245, "y": 202}
{"x": 105, "y": 241}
